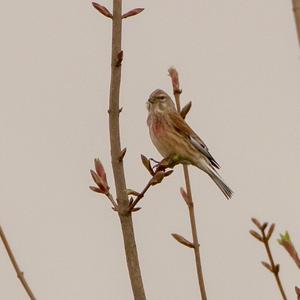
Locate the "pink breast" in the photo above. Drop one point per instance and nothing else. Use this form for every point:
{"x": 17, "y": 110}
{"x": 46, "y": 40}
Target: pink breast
{"x": 156, "y": 125}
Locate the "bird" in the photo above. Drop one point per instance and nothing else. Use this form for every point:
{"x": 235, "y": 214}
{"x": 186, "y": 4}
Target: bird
{"x": 175, "y": 139}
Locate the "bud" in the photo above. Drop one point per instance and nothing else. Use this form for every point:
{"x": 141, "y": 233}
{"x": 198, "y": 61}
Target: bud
{"x": 175, "y": 79}
{"x": 103, "y": 188}
{"x": 286, "y": 242}
{"x": 256, "y": 235}
{"x": 186, "y": 109}
{"x": 256, "y": 222}
{"x": 132, "y": 12}
{"x": 284, "y": 238}
{"x": 122, "y": 154}
{"x": 268, "y": 266}
{"x": 182, "y": 240}
{"x": 100, "y": 178}
{"x": 103, "y": 10}
{"x": 168, "y": 173}
{"x": 277, "y": 268}
{"x": 95, "y": 189}
{"x": 136, "y": 209}
{"x": 157, "y": 178}
{"x": 185, "y": 196}
{"x": 100, "y": 169}
{"x": 270, "y": 231}
{"x": 147, "y": 164}
{"x": 264, "y": 226}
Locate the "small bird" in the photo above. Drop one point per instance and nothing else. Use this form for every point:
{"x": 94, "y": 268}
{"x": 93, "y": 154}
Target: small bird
{"x": 174, "y": 138}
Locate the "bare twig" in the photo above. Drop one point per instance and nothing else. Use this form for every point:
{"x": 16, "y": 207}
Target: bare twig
{"x": 177, "y": 91}
{"x": 12, "y": 258}
{"x": 157, "y": 177}
{"x": 264, "y": 238}
{"x": 116, "y": 153}
{"x": 296, "y": 9}
{"x": 140, "y": 196}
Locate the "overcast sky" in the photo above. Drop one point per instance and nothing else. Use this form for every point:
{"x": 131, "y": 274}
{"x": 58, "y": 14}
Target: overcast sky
{"x": 238, "y": 63}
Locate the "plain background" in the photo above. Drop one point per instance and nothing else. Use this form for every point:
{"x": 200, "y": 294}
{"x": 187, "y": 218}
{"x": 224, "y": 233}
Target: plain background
{"x": 238, "y": 63}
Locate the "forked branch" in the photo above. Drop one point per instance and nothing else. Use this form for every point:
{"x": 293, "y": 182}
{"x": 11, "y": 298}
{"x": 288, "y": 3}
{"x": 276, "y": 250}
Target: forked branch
{"x": 264, "y": 237}
{"x": 157, "y": 177}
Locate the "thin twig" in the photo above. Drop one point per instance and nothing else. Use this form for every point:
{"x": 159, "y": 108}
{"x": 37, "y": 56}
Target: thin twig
{"x": 264, "y": 238}
{"x": 177, "y": 92}
{"x": 157, "y": 177}
{"x": 13, "y": 260}
{"x": 140, "y": 195}
{"x": 195, "y": 235}
{"x": 296, "y": 9}
{"x": 117, "y": 164}
{"x": 275, "y": 267}
{"x": 112, "y": 200}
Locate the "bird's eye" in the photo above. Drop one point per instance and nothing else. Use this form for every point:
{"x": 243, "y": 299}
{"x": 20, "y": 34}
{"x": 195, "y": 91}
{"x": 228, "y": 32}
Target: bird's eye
{"x": 161, "y": 97}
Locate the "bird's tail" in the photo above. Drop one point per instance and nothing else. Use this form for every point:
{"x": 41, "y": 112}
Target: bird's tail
{"x": 226, "y": 190}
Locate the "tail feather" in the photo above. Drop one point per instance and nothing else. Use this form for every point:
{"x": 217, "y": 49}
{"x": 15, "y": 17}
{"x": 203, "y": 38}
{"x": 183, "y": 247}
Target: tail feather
{"x": 226, "y": 190}
{"x": 207, "y": 167}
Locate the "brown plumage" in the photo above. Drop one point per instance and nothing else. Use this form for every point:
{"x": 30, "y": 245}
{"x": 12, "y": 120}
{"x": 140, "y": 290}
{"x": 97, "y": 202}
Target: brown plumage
{"x": 173, "y": 137}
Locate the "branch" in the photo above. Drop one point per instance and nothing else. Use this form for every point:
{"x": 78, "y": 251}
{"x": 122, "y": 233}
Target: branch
{"x": 157, "y": 177}
{"x": 117, "y": 155}
{"x": 189, "y": 199}
{"x": 264, "y": 238}
{"x": 297, "y": 290}
{"x": 12, "y": 258}
{"x": 296, "y": 9}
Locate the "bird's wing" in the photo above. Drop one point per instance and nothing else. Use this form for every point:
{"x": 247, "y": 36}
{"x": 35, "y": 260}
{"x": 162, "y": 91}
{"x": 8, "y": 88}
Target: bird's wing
{"x": 183, "y": 128}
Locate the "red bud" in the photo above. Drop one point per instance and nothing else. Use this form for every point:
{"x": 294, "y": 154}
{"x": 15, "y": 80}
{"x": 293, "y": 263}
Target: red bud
{"x": 132, "y": 12}
{"x": 175, "y": 79}
{"x": 103, "y": 10}
{"x": 95, "y": 189}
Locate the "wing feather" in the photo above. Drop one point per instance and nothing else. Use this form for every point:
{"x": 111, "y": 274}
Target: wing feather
{"x": 183, "y": 128}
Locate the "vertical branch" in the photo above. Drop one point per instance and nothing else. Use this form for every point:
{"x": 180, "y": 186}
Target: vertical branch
{"x": 296, "y": 9}
{"x": 176, "y": 90}
{"x": 13, "y": 260}
{"x": 117, "y": 163}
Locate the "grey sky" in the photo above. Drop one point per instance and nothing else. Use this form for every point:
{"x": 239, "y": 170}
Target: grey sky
{"x": 238, "y": 63}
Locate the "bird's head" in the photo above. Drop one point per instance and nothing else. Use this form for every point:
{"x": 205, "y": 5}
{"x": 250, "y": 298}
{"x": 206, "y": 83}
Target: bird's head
{"x": 160, "y": 101}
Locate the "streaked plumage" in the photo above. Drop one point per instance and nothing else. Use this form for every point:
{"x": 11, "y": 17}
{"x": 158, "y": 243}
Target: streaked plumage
{"x": 172, "y": 136}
